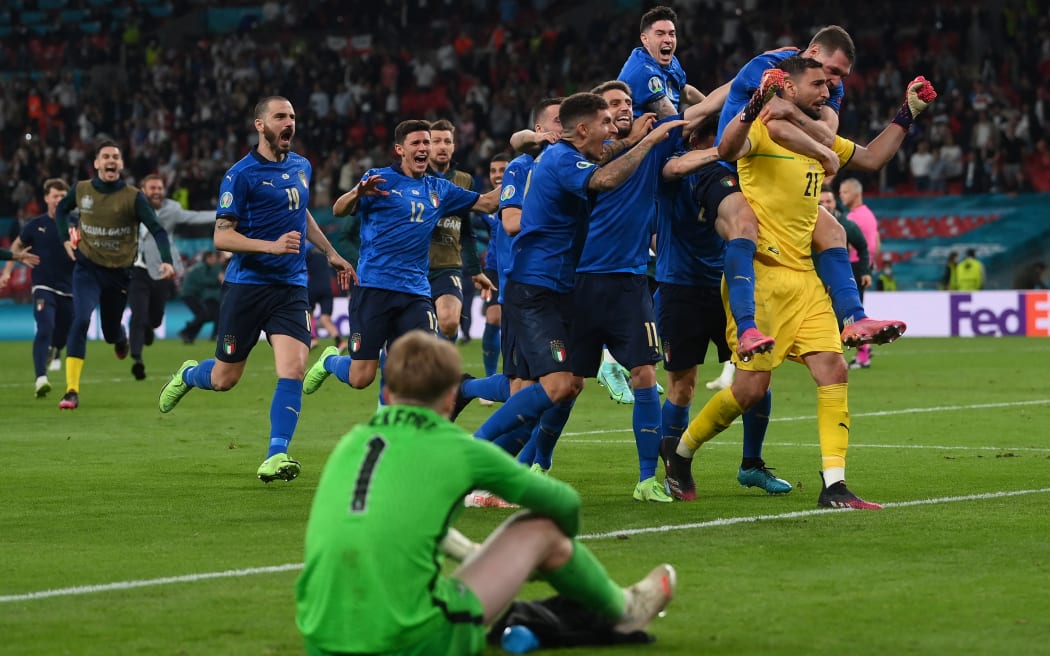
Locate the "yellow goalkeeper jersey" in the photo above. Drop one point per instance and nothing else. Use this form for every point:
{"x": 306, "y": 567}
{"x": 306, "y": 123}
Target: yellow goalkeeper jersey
{"x": 783, "y": 188}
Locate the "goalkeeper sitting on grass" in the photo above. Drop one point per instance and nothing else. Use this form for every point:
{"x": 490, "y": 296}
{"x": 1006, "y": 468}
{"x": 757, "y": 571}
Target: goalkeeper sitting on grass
{"x": 380, "y": 525}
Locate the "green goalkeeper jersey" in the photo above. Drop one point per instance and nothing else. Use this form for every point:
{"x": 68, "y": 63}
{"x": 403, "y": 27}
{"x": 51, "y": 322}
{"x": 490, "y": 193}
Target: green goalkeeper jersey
{"x": 387, "y": 496}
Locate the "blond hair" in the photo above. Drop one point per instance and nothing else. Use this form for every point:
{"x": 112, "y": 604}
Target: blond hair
{"x": 421, "y": 368}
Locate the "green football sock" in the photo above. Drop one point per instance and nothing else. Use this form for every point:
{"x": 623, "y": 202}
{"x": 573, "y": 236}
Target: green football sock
{"x": 585, "y": 580}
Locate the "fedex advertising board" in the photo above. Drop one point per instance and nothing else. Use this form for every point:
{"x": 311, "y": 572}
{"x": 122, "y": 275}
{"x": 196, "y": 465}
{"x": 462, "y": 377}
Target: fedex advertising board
{"x": 965, "y": 314}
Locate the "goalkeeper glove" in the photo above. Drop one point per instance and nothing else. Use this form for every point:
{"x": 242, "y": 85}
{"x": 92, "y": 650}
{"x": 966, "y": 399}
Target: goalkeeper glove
{"x": 918, "y": 97}
{"x": 772, "y": 82}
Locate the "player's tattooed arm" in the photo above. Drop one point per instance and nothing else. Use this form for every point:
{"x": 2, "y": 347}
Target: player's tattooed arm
{"x": 612, "y": 149}
{"x": 662, "y": 107}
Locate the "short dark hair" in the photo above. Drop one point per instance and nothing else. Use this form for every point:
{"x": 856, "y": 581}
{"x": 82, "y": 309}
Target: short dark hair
{"x": 657, "y": 13}
{"x": 795, "y": 65}
{"x": 539, "y": 107}
{"x": 707, "y": 129}
{"x": 105, "y": 143}
{"x": 971, "y": 252}
{"x": 619, "y": 85}
{"x": 55, "y": 183}
{"x": 444, "y": 125}
{"x": 264, "y": 104}
{"x": 833, "y": 38}
{"x": 405, "y": 128}
{"x": 579, "y": 107}
{"x": 499, "y": 157}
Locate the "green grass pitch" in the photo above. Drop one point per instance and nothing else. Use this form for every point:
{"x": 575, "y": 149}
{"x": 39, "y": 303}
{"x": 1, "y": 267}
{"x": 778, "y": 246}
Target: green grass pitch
{"x": 127, "y": 515}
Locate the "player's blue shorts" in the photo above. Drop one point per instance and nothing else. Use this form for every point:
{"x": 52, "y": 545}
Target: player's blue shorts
{"x": 325, "y": 298}
{"x": 539, "y": 320}
{"x": 493, "y": 301}
{"x": 615, "y": 310}
{"x": 714, "y": 183}
{"x": 247, "y": 310}
{"x": 689, "y": 318}
{"x": 507, "y": 345}
{"x": 53, "y": 313}
{"x": 379, "y": 316}
{"x": 446, "y": 281}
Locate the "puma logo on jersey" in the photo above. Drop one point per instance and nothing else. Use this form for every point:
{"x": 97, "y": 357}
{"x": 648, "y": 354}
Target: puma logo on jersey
{"x": 267, "y": 182}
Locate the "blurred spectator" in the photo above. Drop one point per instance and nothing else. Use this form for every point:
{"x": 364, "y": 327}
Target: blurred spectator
{"x": 969, "y": 273}
{"x": 1037, "y": 166}
{"x": 920, "y": 164}
{"x": 948, "y": 279}
{"x": 1032, "y": 277}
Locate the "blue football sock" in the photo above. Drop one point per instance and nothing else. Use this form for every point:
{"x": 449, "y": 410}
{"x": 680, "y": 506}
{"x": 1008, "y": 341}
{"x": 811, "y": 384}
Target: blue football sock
{"x": 339, "y": 366}
{"x": 514, "y": 441}
{"x": 740, "y": 280}
{"x": 199, "y": 376}
{"x": 836, "y": 273}
{"x": 493, "y": 388}
{"x": 647, "y": 430}
{"x": 490, "y": 348}
{"x": 547, "y": 431}
{"x": 756, "y": 420}
{"x": 674, "y": 419}
{"x": 527, "y": 455}
{"x": 284, "y": 413}
{"x": 521, "y": 408}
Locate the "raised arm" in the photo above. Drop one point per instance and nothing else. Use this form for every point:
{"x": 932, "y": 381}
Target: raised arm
{"x": 875, "y": 155}
{"x": 779, "y": 115}
{"x": 487, "y": 202}
{"x": 683, "y": 165}
{"x": 610, "y": 175}
{"x": 347, "y": 203}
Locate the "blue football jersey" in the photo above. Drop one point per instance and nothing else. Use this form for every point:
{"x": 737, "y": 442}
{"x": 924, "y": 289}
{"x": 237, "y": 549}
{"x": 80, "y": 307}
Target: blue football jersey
{"x": 55, "y": 271}
{"x": 512, "y": 194}
{"x": 554, "y": 219}
{"x": 650, "y": 81}
{"x": 396, "y": 229}
{"x": 748, "y": 79}
{"x": 689, "y": 250}
{"x": 267, "y": 199}
{"x": 622, "y": 218}
{"x": 493, "y": 224}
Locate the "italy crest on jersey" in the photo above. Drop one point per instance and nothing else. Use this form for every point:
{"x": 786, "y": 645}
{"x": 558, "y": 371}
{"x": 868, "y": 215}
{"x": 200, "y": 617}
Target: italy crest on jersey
{"x": 229, "y": 344}
{"x": 302, "y": 179}
{"x": 558, "y": 350}
{"x": 434, "y": 200}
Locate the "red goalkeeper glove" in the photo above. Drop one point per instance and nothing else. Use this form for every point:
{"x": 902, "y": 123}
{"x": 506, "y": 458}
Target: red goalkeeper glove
{"x": 772, "y": 82}
{"x": 917, "y": 98}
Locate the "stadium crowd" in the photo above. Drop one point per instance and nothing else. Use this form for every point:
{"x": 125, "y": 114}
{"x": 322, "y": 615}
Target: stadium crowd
{"x": 175, "y": 94}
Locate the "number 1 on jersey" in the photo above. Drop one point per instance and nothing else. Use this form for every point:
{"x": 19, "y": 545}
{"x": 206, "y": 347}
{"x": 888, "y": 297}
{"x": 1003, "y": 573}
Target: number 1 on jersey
{"x": 364, "y": 475}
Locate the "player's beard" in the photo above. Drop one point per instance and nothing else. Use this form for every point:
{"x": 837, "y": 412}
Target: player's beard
{"x": 272, "y": 139}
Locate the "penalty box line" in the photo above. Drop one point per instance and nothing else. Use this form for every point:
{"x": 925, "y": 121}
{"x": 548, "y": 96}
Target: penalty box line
{"x": 292, "y": 567}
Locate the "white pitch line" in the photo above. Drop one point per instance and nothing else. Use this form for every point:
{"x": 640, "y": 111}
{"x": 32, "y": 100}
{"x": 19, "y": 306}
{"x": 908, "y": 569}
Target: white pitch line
{"x": 145, "y": 583}
{"x": 730, "y": 521}
{"x": 807, "y": 445}
{"x": 876, "y": 413}
{"x": 291, "y": 567}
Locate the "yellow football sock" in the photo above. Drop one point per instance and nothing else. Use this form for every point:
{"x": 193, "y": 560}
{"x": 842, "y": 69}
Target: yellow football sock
{"x": 833, "y": 425}
{"x": 73, "y": 368}
{"x": 716, "y": 416}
